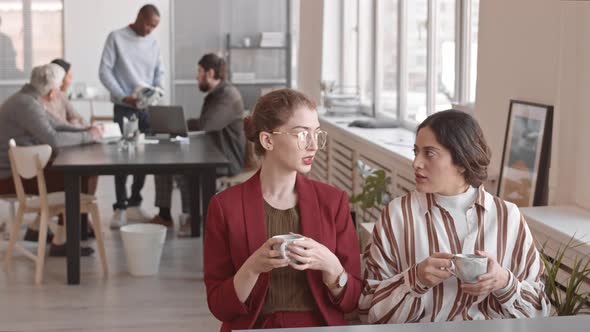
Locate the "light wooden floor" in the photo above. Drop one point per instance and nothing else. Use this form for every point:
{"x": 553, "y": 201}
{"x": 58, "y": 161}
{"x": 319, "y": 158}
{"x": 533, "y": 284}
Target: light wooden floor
{"x": 175, "y": 300}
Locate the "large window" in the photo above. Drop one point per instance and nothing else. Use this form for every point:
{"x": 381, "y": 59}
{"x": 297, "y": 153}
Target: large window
{"x": 387, "y": 62}
{"x": 365, "y": 53}
{"x": 415, "y": 68}
{"x": 31, "y": 34}
{"x": 412, "y": 57}
{"x": 350, "y": 46}
{"x": 445, "y": 78}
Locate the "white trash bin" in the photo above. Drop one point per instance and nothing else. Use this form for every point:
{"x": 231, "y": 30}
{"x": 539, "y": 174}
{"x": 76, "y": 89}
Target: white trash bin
{"x": 143, "y": 245}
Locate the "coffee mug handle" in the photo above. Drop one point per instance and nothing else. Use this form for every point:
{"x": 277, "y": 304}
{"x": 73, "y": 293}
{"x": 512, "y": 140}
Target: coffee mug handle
{"x": 284, "y": 249}
{"x": 452, "y": 269}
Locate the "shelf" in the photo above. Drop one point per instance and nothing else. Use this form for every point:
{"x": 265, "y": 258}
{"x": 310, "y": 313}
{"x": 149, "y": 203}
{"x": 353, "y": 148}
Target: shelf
{"x": 255, "y": 48}
{"x": 261, "y": 82}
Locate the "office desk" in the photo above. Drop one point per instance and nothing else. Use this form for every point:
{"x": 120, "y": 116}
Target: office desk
{"x": 553, "y": 324}
{"x": 198, "y": 160}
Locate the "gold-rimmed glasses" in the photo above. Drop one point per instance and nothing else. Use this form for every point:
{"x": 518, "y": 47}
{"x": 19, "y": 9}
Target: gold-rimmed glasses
{"x": 305, "y": 138}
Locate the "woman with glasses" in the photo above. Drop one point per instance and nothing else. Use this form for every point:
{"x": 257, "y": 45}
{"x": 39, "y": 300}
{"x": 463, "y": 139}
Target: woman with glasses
{"x": 249, "y": 284}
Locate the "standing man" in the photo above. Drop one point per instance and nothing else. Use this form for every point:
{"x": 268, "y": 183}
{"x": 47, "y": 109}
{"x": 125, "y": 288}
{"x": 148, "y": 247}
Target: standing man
{"x": 130, "y": 59}
{"x": 222, "y": 117}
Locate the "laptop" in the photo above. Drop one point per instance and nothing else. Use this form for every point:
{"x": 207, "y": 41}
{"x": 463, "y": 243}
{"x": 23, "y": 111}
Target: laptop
{"x": 167, "y": 120}
{"x": 111, "y": 133}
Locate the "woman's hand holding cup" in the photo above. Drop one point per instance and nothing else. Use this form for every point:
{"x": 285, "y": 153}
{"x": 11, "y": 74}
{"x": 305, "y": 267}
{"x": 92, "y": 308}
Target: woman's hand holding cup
{"x": 435, "y": 269}
{"x": 308, "y": 254}
{"x": 267, "y": 258}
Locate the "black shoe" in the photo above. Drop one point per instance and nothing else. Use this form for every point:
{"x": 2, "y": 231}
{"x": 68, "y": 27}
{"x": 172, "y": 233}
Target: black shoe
{"x": 60, "y": 251}
{"x": 33, "y": 235}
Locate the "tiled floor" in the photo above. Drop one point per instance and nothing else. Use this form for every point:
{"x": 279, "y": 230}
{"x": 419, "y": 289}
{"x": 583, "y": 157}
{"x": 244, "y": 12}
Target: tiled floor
{"x": 174, "y": 300}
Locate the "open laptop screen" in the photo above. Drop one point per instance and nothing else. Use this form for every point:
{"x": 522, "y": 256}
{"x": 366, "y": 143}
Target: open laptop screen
{"x": 167, "y": 120}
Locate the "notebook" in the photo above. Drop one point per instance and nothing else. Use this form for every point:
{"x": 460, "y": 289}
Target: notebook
{"x": 111, "y": 133}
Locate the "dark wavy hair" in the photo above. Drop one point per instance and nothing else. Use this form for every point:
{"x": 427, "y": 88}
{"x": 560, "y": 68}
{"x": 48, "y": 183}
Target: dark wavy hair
{"x": 272, "y": 111}
{"x": 460, "y": 133}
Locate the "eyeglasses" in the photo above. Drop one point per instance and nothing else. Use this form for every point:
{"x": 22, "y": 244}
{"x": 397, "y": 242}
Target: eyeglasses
{"x": 305, "y": 138}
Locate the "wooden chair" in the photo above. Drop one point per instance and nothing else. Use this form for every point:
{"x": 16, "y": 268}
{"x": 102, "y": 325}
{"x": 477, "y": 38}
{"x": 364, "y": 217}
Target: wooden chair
{"x": 28, "y": 162}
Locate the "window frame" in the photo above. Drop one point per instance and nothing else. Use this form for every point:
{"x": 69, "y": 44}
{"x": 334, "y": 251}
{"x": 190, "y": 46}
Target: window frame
{"x": 28, "y": 47}
{"x": 463, "y": 52}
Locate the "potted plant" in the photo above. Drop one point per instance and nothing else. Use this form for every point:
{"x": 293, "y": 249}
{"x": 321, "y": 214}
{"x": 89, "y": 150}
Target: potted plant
{"x": 564, "y": 292}
{"x": 375, "y": 190}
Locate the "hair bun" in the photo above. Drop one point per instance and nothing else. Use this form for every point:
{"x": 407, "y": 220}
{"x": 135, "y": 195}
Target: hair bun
{"x": 249, "y": 129}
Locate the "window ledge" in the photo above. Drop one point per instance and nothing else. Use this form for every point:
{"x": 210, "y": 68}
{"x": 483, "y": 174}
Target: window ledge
{"x": 399, "y": 141}
{"x": 557, "y": 225}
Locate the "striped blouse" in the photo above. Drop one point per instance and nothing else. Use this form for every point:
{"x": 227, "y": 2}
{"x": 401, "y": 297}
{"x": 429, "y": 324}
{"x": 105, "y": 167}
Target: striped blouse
{"x": 413, "y": 227}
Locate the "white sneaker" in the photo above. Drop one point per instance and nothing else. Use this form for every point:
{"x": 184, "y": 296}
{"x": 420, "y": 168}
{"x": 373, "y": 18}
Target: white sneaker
{"x": 184, "y": 228}
{"x": 137, "y": 214}
{"x": 119, "y": 219}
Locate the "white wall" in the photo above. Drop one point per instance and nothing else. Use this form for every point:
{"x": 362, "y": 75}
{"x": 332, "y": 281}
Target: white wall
{"x": 86, "y": 26}
{"x": 310, "y": 47}
{"x": 535, "y": 50}
{"x": 574, "y": 150}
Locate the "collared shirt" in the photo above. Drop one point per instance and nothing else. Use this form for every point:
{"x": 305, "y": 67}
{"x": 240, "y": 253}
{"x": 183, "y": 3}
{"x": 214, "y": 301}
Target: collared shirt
{"x": 415, "y": 226}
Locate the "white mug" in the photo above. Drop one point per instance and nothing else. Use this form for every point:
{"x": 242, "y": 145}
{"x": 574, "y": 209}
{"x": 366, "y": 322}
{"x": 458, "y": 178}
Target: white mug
{"x": 467, "y": 267}
{"x": 288, "y": 238}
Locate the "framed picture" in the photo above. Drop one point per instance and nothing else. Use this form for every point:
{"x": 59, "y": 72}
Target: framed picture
{"x": 524, "y": 172}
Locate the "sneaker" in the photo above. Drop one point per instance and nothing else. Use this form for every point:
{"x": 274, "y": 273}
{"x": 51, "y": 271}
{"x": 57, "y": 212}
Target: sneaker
{"x": 119, "y": 219}
{"x": 137, "y": 214}
{"x": 184, "y": 228}
{"x": 161, "y": 221}
{"x": 60, "y": 251}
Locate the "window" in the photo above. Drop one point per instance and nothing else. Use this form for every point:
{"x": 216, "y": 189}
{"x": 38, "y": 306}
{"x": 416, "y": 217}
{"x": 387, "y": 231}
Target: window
{"x": 350, "y": 48}
{"x": 31, "y": 34}
{"x": 446, "y": 43}
{"x": 365, "y": 54}
{"x": 387, "y": 57}
{"x": 474, "y": 26}
{"x": 414, "y": 57}
{"x": 415, "y": 66}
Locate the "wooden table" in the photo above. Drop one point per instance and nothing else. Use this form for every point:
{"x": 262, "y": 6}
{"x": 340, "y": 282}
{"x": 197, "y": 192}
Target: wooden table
{"x": 198, "y": 160}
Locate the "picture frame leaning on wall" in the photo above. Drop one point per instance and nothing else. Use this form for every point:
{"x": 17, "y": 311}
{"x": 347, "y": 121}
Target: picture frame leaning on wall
{"x": 524, "y": 172}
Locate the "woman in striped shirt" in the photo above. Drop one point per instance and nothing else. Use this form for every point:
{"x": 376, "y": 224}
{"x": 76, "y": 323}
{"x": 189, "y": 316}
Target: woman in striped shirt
{"x": 407, "y": 261}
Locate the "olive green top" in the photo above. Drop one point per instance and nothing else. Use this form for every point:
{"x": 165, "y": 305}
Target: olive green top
{"x": 288, "y": 289}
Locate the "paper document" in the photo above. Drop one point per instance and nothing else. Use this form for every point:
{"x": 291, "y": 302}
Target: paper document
{"x": 111, "y": 132}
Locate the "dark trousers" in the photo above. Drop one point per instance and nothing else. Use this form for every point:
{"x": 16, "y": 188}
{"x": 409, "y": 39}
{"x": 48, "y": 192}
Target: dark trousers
{"x": 123, "y": 201}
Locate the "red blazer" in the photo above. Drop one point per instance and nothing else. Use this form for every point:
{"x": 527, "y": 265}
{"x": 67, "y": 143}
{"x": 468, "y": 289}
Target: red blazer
{"x": 235, "y": 229}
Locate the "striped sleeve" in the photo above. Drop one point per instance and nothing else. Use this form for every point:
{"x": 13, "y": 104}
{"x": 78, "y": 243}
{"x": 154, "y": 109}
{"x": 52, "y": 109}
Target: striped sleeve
{"x": 390, "y": 292}
{"x": 525, "y": 298}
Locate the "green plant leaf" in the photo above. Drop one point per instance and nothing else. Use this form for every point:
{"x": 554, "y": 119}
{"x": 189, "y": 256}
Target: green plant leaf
{"x": 565, "y": 295}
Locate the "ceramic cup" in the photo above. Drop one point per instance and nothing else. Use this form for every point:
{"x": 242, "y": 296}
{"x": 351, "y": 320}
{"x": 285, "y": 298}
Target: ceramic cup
{"x": 288, "y": 238}
{"x": 467, "y": 267}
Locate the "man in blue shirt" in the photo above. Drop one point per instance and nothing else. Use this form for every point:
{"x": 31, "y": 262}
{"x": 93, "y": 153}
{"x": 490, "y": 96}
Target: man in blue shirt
{"x": 131, "y": 59}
